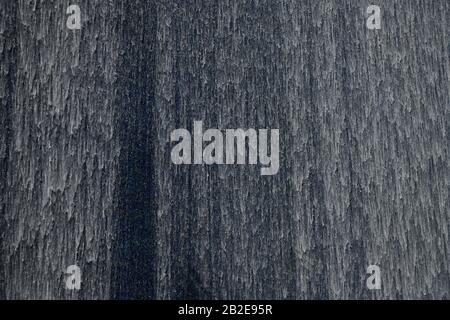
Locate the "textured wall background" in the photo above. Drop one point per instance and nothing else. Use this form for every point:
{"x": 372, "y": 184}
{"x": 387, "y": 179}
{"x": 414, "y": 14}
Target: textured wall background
{"x": 86, "y": 176}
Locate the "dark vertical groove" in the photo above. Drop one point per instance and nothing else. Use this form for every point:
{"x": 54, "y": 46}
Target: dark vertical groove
{"x": 133, "y": 265}
{"x": 8, "y": 48}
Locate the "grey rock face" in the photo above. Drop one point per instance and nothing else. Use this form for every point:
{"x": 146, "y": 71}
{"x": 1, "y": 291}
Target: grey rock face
{"x": 86, "y": 176}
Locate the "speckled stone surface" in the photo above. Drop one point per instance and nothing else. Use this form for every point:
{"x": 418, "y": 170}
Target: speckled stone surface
{"x": 86, "y": 176}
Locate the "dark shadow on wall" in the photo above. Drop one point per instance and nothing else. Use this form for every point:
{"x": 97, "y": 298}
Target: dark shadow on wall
{"x": 133, "y": 264}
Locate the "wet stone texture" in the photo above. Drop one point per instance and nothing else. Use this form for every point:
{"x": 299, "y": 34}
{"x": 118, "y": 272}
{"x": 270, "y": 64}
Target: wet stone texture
{"x": 86, "y": 176}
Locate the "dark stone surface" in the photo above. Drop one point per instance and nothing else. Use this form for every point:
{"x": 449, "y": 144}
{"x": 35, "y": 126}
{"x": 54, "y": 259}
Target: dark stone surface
{"x": 86, "y": 176}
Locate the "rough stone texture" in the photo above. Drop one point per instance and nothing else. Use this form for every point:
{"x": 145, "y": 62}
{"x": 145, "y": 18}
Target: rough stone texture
{"x": 7, "y": 75}
{"x": 86, "y": 176}
{"x": 62, "y": 159}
